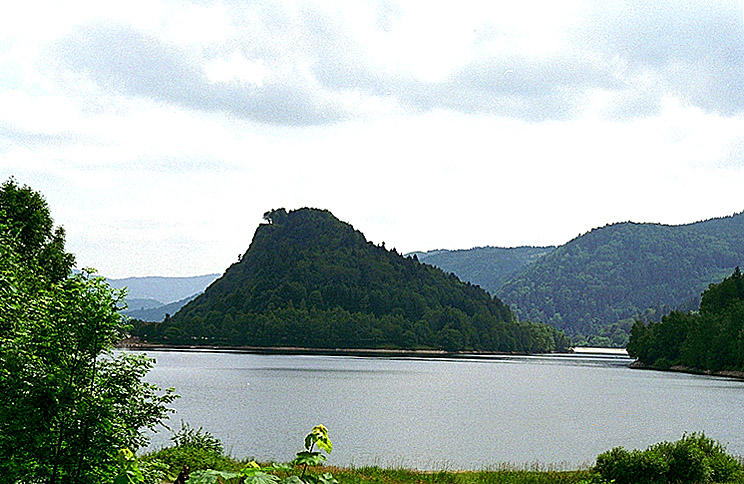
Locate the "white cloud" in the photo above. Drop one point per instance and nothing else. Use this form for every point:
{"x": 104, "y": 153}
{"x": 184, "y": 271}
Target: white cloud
{"x": 161, "y": 131}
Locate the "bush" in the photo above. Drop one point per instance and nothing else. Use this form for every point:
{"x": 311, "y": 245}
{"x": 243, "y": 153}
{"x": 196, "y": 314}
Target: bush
{"x": 725, "y": 468}
{"x": 174, "y": 458}
{"x": 694, "y": 458}
{"x": 196, "y": 448}
{"x": 687, "y": 462}
{"x": 634, "y": 467}
{"x": 188, "y": 436}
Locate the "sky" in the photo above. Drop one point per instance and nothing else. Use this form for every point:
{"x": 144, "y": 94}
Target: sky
{"x": 160, "y": 132}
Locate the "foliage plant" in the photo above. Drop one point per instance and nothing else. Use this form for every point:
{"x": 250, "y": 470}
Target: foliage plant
{"x": 68, "y": 401}
{"x": 253, "y": 473}
{"x": 133, "y": 471}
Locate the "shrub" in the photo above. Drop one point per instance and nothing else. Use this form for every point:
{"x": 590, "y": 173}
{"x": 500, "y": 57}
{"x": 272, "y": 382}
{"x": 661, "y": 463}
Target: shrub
{"x": 196, "y": 448}
{"x": 687, "y": 462}
{"x": 725, "y": 468}
{"x": 634, "y": 467}
{"x": 694, "y": 458}
{"x": 188, "y": 436}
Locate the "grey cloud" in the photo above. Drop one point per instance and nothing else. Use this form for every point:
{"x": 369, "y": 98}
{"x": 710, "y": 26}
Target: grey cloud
{"x": 123, "y": 60}
{"x": 694, "y": 50}
{"x": 18, "y": 136}
{"x": 638, "y": 51}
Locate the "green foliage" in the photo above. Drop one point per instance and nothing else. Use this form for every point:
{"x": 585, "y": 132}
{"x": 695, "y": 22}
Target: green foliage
{"x": 188, "y": 436}
{"x": 317, "y": 436}
{"x": 310, "y": 280}
{"x": 25, "y": 217}
{"x": 631, "y": 467}
{"x": 625, "y": 270}
{"x": 711, "y": 339}
{"x": 250, "y": 473}
{"x": 130, "y": 472}
{"x": 196, "y": 448}
{"x": 694, "y": 458}
{"x": 67, "y": 400}
{"x": 134, "y": 471}
{"x": 215, "y": 477}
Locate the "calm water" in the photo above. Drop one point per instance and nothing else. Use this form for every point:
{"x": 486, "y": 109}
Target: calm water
{"x": 456, "y": 414}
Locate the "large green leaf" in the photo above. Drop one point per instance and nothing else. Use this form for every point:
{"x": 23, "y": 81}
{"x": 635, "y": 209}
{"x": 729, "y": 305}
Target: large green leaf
{"x": 261, "y": 478}
{"x": 214, "y": 477}
{"x": 326, "y": 478}
{"x": 309, "y": 458}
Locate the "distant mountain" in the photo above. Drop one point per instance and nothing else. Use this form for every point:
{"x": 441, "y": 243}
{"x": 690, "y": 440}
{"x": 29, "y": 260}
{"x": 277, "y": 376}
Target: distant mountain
{"x": 488, "y": 267}
{"x": 309, "y": 279}
{"x": 622, "y": 270}
{"x": 157, "y": 312}
{"x": 138, "y": 304}
{"x": 163, "y": 289}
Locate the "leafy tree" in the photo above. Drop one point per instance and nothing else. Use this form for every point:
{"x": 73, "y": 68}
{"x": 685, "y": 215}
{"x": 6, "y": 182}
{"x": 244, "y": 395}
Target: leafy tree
{"x": 68, "y": 402}
{"x": 25, "y": 215}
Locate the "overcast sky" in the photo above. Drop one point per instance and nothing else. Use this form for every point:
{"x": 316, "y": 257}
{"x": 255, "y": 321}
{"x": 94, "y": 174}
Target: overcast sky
{"x": 160, "y": 132}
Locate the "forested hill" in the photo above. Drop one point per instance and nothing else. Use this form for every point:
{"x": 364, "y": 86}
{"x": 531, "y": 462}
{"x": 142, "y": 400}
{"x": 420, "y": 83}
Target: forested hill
{"x": 488, "y": 267}
{"x": 621, "y": 270}
{"x": 310, "y": 280}
{"x": 711, "y": 339}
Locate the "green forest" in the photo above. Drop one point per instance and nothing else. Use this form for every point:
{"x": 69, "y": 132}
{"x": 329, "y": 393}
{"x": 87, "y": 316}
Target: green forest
{"x": 710, "y": 339}
{"x": 488, "y": 267}
{"x": 625, "y": 271}
{"x": 310, "y": 280}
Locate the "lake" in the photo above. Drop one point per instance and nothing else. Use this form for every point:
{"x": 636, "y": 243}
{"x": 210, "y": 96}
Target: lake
{"x": 443, "y": 413}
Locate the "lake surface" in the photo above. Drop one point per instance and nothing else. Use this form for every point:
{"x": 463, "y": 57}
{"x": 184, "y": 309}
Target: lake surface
{"x": 443, "y": 413}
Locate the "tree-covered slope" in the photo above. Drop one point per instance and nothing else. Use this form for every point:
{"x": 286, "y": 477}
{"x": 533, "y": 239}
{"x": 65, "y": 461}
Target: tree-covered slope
{"x": 488, "y": 267}
{"x": 709, "y": 339}
{"x": 311, "y": 280}
{"x": 621, "y": 270}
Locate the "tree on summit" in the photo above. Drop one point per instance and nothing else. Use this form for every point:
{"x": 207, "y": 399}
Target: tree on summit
{"x": 275, "y": 216}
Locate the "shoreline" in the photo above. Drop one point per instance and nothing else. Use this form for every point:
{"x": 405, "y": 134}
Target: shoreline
{"x": 356, "y": 352}
{"x": 293, "y": 350}
{"x": 735, "y": 375}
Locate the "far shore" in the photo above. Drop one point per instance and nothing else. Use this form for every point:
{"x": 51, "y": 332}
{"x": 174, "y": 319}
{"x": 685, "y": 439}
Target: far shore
{"x": 737, "y": 375}
{"x": 368, "y": 352}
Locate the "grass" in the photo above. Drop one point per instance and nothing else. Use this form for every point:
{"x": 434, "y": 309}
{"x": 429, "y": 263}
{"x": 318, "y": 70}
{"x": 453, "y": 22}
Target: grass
{"x": 175, "y": 458}
{"x": 377, "y": 475}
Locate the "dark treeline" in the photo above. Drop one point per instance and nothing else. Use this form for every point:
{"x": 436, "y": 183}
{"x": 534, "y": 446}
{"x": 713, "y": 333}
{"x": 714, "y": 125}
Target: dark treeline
{"x": 311, "y": 280}
{"x": 710, "y": 339}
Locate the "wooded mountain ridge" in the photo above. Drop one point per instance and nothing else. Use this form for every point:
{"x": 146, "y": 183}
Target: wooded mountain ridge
{"x": 309, "y": 279}
{"x": 610, "y": 274}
